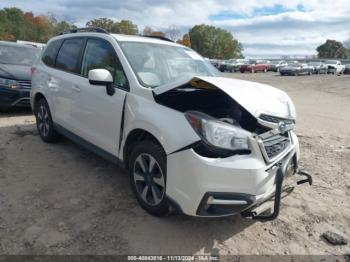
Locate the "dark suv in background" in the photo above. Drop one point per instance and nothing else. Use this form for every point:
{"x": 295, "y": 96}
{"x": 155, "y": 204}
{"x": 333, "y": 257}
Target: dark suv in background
{"x": 15, "y": 75}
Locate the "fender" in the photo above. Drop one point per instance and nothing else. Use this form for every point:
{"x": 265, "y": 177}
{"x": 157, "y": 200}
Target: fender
{"x": 145, "y": 114}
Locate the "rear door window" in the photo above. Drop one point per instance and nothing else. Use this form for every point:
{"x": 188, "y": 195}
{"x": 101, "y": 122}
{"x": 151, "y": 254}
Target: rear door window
{"x": 50, "y": 53}
{"x": 68, "y": 58}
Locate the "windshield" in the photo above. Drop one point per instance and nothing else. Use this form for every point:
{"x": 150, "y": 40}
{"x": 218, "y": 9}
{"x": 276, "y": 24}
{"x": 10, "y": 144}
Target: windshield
{"x": 18, "y": 55}
{"x": 157, "y": 64}
{"x": 314, "y": 63}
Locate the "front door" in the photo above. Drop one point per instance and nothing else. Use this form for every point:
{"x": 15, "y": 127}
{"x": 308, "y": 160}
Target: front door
{"x": 96, "y": 114}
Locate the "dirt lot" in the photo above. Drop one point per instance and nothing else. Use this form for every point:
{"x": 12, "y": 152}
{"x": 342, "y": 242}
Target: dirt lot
{"x": 61, "y": 199}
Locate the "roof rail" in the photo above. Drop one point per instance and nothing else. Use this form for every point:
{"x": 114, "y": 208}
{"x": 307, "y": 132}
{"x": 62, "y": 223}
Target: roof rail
{"x": 158, "y": 37}
{"x": 85, "y": 29}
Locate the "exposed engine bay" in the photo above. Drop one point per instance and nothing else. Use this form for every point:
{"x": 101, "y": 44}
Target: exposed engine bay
{"x": 213, "y": 102}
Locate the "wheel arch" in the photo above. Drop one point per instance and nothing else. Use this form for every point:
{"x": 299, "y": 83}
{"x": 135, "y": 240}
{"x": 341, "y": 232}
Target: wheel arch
{"x": 135, "y": 136}
{"x": 36, "y": 98}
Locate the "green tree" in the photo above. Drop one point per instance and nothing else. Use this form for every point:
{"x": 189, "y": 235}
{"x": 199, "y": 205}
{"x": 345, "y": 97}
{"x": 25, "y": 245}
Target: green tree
{"x": 12, "y": 23}
{"x": 3, "y": 25}
{"x": 104, "y": 23}
{"x": 62, "y": 27}
{"x": 123, "y": 27}
{"x": 126, "y": 27}
{"x": 332, "y": 49}
{"x": 16, "y": 25}
{"x": 214, "y": 42}
{"x": 44, "y": 29}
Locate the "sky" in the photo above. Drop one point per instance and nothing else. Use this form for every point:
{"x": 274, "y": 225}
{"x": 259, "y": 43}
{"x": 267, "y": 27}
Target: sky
{"x": 266, "y": 28}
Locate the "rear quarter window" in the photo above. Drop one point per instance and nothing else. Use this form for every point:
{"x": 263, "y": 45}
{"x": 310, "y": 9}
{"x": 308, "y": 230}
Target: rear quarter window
{"x": 50, "y": 53}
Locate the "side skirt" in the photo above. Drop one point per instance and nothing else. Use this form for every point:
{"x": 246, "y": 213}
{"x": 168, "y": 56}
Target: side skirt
{"x": 91, "y": 147}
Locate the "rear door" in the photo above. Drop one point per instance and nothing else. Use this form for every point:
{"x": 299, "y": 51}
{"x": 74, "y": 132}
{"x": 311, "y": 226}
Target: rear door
{"x": 64, "y": 79}
{"x": 95, "y": 114}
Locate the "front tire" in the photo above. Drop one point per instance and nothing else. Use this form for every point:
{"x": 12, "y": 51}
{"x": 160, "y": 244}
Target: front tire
{"x": 44, "y": 122}
{"x": 147, "y": 170}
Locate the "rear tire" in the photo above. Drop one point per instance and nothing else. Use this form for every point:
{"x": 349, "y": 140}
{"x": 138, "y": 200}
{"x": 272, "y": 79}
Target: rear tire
{"x": 147, "y": 171}
{"x": 44, "y": 122}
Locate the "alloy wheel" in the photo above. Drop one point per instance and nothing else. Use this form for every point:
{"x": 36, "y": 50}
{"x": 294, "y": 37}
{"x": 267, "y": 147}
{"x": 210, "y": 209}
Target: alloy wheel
{"x": 149, "y": 179}
{"x": 43, "y": 121}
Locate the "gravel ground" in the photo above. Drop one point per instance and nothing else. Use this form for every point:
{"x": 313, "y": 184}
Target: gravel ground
{"x": 62, "y": 199}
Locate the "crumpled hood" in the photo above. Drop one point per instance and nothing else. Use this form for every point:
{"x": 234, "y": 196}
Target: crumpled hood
{"x": 256, "y": 98}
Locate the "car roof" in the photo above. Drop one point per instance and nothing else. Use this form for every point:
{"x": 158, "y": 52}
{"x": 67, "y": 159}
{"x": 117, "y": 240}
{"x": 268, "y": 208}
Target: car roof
{"x": 7, "y": 43}
{"x": 119, "y": 38}
{"x": 143, "y": 39}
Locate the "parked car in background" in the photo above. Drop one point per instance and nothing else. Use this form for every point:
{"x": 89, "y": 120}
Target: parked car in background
{"x": 35, "y": 44}
{"x": 232, "y": 65}
{"x": 255, "y": 66}
{"x": 319, "y": 67}
{"x": 334, "y": 67}
{"x": 15, "y": 74}
{"x": 277, "y": 65}
{"x": 347, "y": 69}
{"x": 235, "y": 66}
{"x": 224, "y": 66}
{"x": 297, "y": 69}
{"x": 215, "y": 63}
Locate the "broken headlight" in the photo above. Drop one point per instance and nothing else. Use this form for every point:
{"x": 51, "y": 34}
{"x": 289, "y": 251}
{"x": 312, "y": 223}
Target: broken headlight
{"x": 218, "y": 134}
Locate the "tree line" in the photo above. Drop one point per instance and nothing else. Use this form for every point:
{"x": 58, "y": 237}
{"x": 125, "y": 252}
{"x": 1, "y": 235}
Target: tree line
{"x": 207, "y": 40}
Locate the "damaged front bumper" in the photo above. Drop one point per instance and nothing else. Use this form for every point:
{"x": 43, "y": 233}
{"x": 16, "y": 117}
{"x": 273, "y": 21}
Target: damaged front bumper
{"x": 289, "y": 166}
{"x": 239, "y": 184}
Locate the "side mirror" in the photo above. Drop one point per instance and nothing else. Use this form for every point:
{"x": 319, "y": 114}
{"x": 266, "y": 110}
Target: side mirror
{"x": 102, "y": 77}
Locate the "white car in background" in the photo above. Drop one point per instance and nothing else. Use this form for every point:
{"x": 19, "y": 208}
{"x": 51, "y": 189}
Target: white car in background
{"x": 199, "y": 143}
{"x": 319, "y": 67}
{"x": 335, "y": 67}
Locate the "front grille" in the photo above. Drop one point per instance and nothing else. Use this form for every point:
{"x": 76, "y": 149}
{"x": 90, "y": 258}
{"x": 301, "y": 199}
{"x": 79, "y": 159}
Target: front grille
{"x": 25, "y": 84}
{"x": 276, "y": 120}
{"x": 276, "y": 145}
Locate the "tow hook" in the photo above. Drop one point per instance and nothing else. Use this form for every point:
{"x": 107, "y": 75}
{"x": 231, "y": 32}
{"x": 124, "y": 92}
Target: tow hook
{"x": 305, "y": 174}
{"x": 255, "y": 213}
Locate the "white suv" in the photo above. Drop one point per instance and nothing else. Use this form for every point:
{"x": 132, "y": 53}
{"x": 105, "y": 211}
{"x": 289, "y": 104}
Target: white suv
{"x": 192, "y": 140}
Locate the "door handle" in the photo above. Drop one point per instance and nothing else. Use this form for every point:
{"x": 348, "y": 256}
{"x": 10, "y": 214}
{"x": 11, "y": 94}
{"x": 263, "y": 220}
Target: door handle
{"x": 76, "y": 88}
